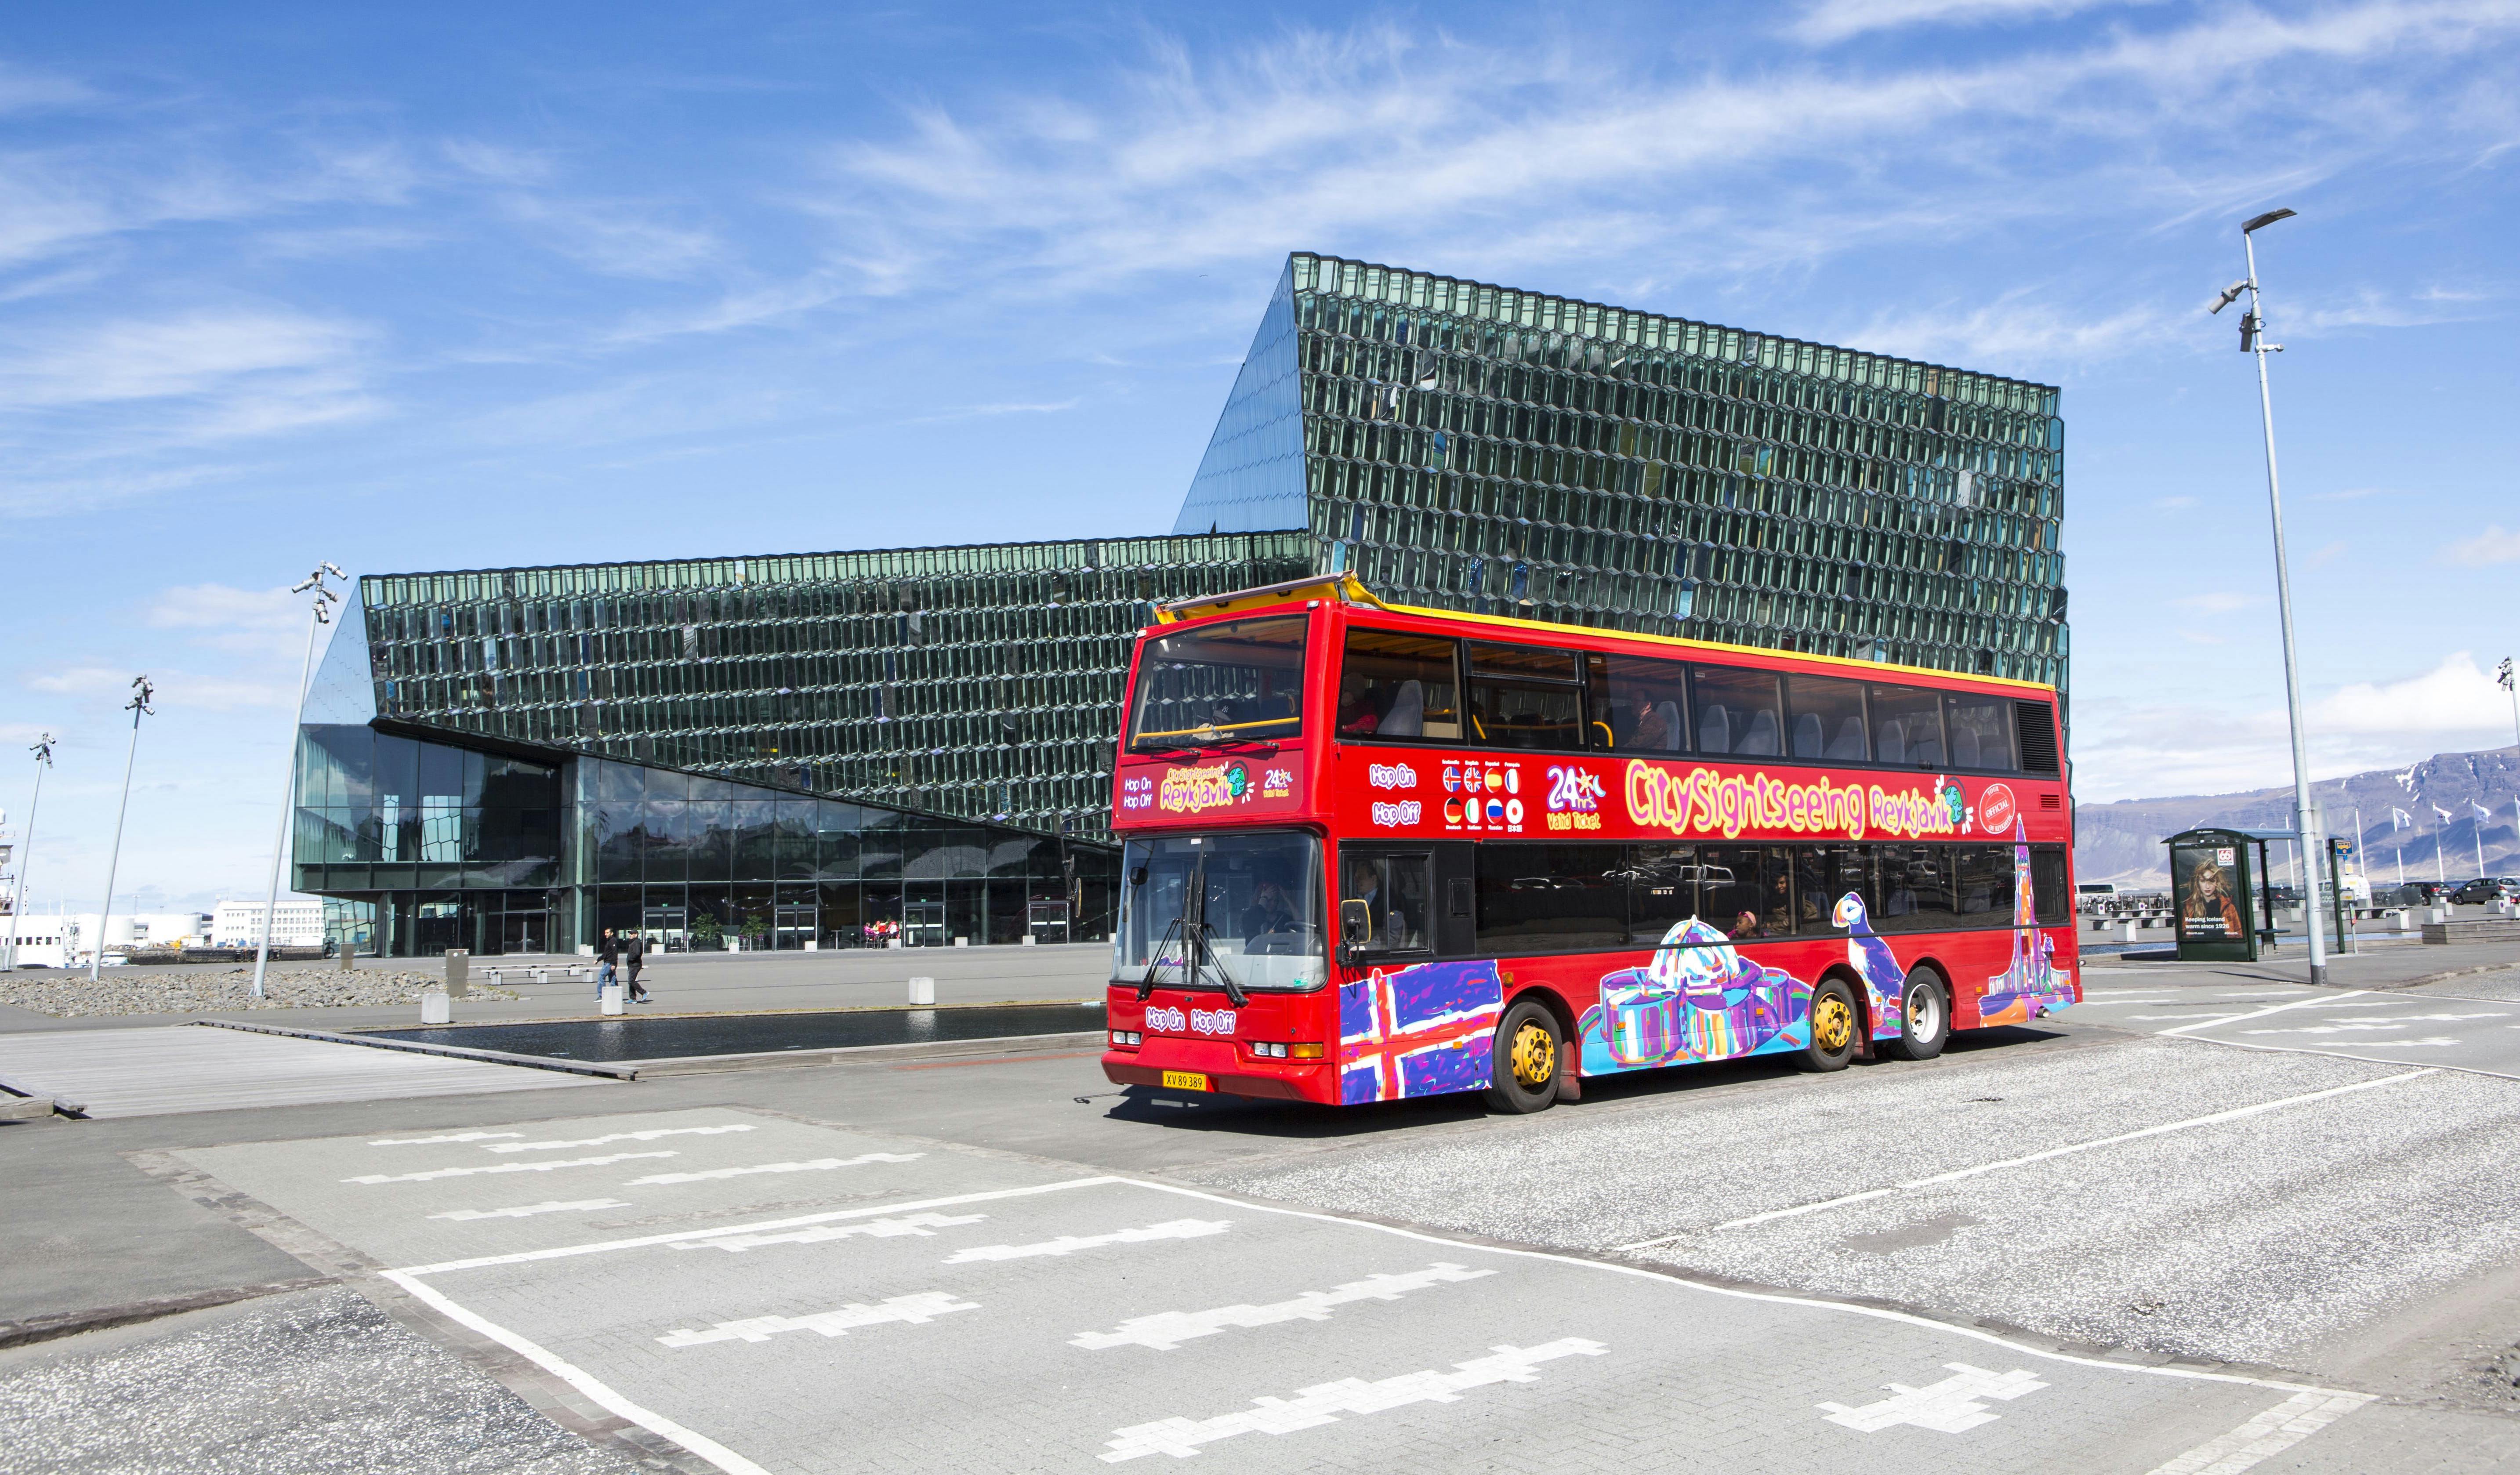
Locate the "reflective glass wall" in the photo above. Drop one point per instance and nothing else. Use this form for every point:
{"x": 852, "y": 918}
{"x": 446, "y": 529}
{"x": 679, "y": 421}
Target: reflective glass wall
{"x": 1474, "y": 447}
{"x": 980, "y": 682}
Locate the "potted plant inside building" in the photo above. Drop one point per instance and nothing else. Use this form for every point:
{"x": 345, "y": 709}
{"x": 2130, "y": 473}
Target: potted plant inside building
{"x": 754, "y": 929}
{"x": 706, "y": 934}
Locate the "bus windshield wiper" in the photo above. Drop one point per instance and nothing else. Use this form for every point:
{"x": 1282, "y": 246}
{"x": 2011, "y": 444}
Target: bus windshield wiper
{"x": 1233, "y": 991}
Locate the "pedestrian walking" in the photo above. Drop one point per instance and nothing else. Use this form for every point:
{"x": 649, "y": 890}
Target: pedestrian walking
{"x": 633, "y": 954}
{"x": 607, "y": 959}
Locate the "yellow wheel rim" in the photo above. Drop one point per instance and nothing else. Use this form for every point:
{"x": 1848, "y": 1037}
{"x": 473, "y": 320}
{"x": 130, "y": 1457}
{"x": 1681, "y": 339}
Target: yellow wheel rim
{"x": 1535, "y": 1055}
{"x": 1832, "y": 1023}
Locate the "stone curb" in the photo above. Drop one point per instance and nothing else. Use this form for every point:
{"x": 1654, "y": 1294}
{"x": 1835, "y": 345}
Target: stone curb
{"x": 415, "y": 1046}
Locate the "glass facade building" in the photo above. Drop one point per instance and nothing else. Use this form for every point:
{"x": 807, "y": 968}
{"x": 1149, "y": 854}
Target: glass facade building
{"x": 916, "y": 742}
{"x": 1474, "y": 447}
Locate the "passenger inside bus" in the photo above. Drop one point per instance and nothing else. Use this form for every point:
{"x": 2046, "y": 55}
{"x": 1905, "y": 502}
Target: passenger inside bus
{"x": 1393, "y": 889}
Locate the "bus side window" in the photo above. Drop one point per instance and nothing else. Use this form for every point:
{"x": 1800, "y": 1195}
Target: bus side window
{"x": 1736, "y": 712}
{"x": 1638, "y": 704}
{"x": 1980, "y": 731}
{"x": 1396, "y": 891}
{"x": 2047, "y": 886}
{"x": 1526, "y": 696}
{"x": 1393, "y": 684}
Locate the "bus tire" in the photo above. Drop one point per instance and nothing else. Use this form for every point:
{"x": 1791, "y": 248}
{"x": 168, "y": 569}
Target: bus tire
{"x": 1924, "y": 1016}
{"x": 1528, "y": 1048}
{"x": 1835, "y": 1024}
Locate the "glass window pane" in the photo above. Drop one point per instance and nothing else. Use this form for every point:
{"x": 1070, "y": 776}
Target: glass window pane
{"x": 1915, "y": 889}
{"x": 1827, "y": 713}
{"x": 1824, "y": 876}
{"x": 1736, "y": 712}
{"x": 1395, "y": 684}
{"x": 1662, "y": 889}
{"x": 1747, "y": 890}
{"x": 1907, "y": 725}
{"x": 1983, "y": 884}
{"x": 1981, "y": 730}
{"x": 1394, "y": 888}
{"x": 1523, "y": 697}
{"x": 1639, "y": 705}
{"x": 2047, "y": 886}
{"x": 1241, "y": 681}
{"x": 1551, "y": 898}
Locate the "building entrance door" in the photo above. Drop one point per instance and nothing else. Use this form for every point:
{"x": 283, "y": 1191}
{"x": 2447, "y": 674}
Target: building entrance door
{"x": 524, "y": 932}
{"x": 795, "y": 925}
{"x": 666, "y": 928}
{"x": 923, "y": 923}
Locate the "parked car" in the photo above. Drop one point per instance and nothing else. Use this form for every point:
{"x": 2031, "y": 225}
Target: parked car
{"x": 2483, "y": 889}
{"x": 2412, "y": 893}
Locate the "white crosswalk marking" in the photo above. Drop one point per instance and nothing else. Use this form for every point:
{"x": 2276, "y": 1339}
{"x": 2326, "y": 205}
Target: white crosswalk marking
{"x": 872, "y": 1228}
{"x": 815, "y": 1165}
{"x": 431, "y": 1141}
{"x": 1323, "y": 1403}
{"x": 648, "y": 1136}
{"x": 1165, "y": 1331}
{"x": 1948, "y": 1406}
{"x": 528, "y": 1210}
{"x": 916, "y": 1309}
{"x": 1068, "y": 1244}
{"x": 2272, "y": 1432}
{"x": 437, "y": 1172}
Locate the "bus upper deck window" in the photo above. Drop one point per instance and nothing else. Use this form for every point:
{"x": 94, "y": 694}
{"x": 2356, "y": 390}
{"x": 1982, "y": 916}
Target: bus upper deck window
{"x": 1907, "y": 725}
{"x": 1526, "y": 696}
{"x": 1736, "y": 712}
{"x": 1980, "y": 731}
{"x": 1393, "y": 684}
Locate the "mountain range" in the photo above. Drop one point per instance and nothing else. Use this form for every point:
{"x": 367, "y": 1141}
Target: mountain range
{"x": 2121, "y": 842}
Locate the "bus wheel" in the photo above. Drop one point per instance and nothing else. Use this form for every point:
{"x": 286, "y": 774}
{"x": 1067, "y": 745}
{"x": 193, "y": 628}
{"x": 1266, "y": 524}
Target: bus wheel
{"x": 1526, "y": 1060}
{"x": 1833, "y": 1020}
{"x": 1924, "y": 1018}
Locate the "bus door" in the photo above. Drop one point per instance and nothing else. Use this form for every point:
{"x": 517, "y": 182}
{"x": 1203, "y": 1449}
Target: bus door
{"x": 1406, "y": 903}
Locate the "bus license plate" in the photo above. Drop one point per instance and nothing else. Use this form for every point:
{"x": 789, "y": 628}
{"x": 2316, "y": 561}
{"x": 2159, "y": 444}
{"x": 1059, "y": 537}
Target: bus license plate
{"x": 1185, "y": 1079}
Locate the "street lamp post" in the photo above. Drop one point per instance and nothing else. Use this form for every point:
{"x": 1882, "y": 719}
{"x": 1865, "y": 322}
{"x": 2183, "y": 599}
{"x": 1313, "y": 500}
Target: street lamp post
{"x": 138, "y": 706}
{"x": 320, "y": 617}
{"x": 2253, "y": 342}
{"x": 43, "y": 751}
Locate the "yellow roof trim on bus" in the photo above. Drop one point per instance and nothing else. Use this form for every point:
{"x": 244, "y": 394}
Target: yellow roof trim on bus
{"x": 1342, "y": 588}
{"x": 1848, "y": 661}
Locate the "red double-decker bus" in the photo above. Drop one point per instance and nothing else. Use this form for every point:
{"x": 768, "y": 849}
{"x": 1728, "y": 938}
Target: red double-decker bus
{"x": 1375, "y": 852}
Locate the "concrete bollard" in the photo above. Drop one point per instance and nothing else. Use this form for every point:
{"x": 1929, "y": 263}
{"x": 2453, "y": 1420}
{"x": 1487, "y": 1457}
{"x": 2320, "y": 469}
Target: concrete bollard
{"x": 1027, "y": 939}
{"x": 892, "y": 942}
{"x": 923, "y": 991}
{"x": 350, "y": 956}
{"x": 458, "y": 972}
{"x": 436, "y": 1009}
{"x": 962, "y": 942}
{"x": 613, "y": 993}
{"x": 2123, "y": 932}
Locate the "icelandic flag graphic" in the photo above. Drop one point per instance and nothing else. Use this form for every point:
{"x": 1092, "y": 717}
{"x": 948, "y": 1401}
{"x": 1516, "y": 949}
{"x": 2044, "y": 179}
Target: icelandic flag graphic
{"x": 1419, "y": 1031}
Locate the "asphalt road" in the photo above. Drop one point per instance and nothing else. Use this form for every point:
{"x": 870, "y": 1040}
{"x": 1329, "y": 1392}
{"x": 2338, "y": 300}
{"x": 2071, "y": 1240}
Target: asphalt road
{"x": 1764, "y": 1270}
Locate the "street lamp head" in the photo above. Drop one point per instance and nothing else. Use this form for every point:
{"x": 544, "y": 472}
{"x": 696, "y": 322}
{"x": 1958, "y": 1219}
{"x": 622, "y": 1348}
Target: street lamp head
{"x": 2249, "y": 227}
{"x": 2230, "y": 294}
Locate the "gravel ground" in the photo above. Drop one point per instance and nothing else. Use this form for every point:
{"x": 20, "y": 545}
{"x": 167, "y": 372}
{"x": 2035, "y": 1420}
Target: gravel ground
{"x": 318, "y": 1381}
{"x": 122, "y": 991}
{"x": 2505, "y": 984}
{"x": 2240, "y": 1240}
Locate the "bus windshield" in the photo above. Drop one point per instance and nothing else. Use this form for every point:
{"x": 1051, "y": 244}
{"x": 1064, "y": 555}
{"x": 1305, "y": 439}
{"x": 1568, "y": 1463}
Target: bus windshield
{"x": 1250, "y": 903}
{"x": 1237, "y": 682}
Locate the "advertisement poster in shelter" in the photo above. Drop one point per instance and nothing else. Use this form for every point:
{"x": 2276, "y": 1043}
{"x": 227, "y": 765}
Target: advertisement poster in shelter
{"x": 2205, "y": 891}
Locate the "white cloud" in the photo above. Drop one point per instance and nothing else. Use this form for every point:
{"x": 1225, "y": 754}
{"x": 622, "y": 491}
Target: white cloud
{"x": 2455, "y": 697}
{"x": 173, "y": 689}
{"x": 2327, "y": 555}
{"x": 2489, "y": 547}
{"x": 1830, "y": 21}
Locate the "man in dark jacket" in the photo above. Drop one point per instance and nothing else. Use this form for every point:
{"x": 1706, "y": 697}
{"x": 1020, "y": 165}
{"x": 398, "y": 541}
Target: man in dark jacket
{"x": 607, "y": 957}
{"x": 632, "y": 955}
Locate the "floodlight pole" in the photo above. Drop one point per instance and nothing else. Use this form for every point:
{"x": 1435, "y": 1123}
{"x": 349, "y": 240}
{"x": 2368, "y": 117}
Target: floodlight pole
{"x": 318, "y": 617}
{"x": 138, "y": 707}
{"x": 43, "y": 751}
{"x": 2305, "y": 825}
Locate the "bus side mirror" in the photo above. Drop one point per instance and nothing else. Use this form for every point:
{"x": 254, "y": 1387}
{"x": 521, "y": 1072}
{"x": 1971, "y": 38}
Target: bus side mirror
{"x": 1356, "y": 930}
{"x": 1137, "y": 875}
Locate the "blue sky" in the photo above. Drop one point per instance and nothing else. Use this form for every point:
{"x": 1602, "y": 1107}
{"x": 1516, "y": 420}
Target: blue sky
{"x": 461, "y": 286}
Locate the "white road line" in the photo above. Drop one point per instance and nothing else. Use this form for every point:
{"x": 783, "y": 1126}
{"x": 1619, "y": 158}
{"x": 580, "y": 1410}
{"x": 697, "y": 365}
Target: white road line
{"x": 1670, "y": 1276}
{"x": 648, "y": 1136}
{"x": 528, "y": 1210}
{"x": 916, "y": 1309}
{"x": 2272, "y": 1432}
{"x": 603, "y": 1395}
{"x": 2190, "y": 1018}
{"x": 1956, "y": 1174}
{"x": 1314, "y": 1407}
{"x": 2277, "y": 1009}
{"x": 1168, "y": 1329}
{"x": 1948, "y": 1406}
{"x": 1070, "y": 1244}
{"x": 812, "y": 1165}
{"x": 681, "y": 1236}
{"x": 871, "y": 1229}
{"x": 437, "y": 1172}
{"x": 431, "y": 1141}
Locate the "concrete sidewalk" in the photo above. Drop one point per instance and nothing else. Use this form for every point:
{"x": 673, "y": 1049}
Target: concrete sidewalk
{"x": 694, "y": 983}
{"x": 2391, "y": 964}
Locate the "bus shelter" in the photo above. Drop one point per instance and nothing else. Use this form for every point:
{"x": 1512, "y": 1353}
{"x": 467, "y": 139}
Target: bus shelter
{"x": 2218, "y": 879}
